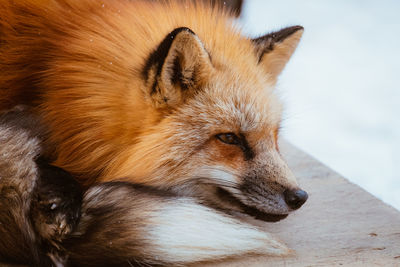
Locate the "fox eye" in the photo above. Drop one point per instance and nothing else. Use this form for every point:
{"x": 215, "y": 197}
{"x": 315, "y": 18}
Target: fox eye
{"x": 228, "y": 138}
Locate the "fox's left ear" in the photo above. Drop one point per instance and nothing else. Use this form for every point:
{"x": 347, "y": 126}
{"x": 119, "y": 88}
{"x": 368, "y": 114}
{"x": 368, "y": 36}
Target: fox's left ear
{"x": 177, "y": 68}
{"x": 275, "y": 49}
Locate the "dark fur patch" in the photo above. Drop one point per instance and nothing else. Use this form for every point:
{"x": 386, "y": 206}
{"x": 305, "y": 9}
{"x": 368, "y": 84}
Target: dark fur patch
{"x": 247, "y": 150}
{"x": 266, "y": 43}
{"x": 58, "y": 193}
{"x": 258, "y": 215}
{"x": 158, "y": 56}
{"x": 178, "y": 78}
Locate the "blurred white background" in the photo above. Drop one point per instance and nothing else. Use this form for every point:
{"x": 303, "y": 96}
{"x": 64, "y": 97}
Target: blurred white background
{"x": 342, "y": 86}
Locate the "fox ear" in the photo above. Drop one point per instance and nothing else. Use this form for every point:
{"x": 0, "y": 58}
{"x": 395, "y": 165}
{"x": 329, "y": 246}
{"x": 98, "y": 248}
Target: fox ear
{"x": 275, "y": 49}
{"x": 177, "y": 68}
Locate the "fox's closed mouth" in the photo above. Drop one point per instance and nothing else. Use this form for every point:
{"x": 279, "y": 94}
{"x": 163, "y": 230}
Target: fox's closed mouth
{"x": 251, "y": 211}
{"x": 267, "y": 217}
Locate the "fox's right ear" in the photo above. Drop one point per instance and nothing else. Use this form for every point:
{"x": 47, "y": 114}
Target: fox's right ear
{"x": 177, "y": 68}
{"x": 275, "y": 49}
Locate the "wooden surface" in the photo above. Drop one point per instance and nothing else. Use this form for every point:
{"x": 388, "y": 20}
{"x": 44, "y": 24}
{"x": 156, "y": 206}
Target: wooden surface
{"x": 340, "y": 224}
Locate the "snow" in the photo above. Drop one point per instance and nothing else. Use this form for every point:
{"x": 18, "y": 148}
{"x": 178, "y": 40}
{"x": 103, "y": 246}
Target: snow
{"x": 341, "y": 88}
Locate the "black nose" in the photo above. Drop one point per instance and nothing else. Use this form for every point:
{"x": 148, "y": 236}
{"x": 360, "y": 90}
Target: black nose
{"x": 295, "y": 198}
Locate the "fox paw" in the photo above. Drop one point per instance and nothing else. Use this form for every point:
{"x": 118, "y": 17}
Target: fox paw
{"x": 57, "y": 206}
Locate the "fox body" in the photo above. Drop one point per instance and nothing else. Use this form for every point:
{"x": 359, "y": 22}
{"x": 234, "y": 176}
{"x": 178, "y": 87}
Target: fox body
{"x": 45, "y": 221}
{"x": 168, "y": 95}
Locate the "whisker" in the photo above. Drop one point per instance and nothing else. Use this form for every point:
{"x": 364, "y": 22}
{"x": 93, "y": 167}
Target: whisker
{"x": 221, "y": 185}
{"x": 216, "y": 180}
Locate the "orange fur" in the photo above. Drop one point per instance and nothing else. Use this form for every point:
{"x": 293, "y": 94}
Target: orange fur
{"x": 80, "y": 64}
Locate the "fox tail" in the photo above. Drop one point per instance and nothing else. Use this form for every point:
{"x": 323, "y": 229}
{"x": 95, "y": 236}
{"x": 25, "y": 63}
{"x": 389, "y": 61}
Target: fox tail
{"x": 125, "y": 225}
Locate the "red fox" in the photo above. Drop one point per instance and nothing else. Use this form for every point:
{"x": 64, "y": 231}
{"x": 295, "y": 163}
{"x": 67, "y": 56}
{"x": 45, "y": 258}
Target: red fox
{"x": 167, "y": 95}
{"x": 45, "y": 221}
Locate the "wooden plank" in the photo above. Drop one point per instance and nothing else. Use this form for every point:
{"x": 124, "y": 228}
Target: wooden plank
{"x": 340, "y": 225}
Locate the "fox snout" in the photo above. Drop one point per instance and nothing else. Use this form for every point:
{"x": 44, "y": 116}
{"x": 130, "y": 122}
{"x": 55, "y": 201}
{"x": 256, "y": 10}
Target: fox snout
{"x": 269, "y": 187}
{"x": 272, "y": 197}
{"x": 263, "y": 186}
{"x": 295, "y": 198}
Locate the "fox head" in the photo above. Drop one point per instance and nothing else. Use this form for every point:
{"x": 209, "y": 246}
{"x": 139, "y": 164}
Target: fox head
{"x": 125, "y": 94}
{"x": 218, "y": 122}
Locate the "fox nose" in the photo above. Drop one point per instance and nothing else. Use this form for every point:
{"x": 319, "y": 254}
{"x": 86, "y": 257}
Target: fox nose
{"x": 295, "y": 198}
